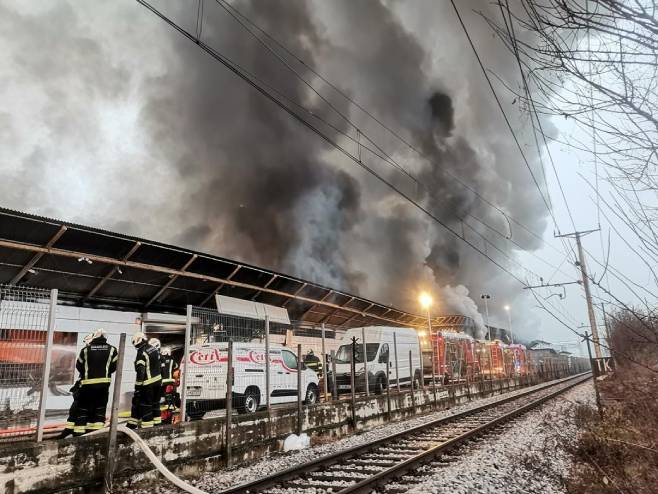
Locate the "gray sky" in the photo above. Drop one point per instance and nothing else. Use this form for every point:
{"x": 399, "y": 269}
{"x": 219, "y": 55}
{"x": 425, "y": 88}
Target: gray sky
{"x": 113, "y": 120}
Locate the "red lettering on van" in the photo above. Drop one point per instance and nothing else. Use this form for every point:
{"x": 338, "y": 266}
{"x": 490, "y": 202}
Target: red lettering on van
{"x": 207, "y": 357}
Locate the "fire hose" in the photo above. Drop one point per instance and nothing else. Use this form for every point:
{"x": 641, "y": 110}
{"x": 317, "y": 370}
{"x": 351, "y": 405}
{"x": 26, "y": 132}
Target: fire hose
{"x": 158, "y": 464}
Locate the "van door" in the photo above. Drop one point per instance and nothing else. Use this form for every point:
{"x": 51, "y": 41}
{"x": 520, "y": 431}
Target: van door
{"x": 287, "y": 377}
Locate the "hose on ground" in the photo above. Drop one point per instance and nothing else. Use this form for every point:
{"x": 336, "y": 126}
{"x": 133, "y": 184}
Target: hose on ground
{"x": 158, "y": 464}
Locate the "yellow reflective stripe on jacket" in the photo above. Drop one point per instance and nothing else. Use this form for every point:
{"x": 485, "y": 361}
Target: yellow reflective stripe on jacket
{"x": 115, "y": 358}
{"x": 97, "y": 380}
{"x": 151, "y": 380}
{"x": 148, "y": 367}
{"x": 140, "y": 362}
{"x": 168, "y": 381}
{"x": 109, "y": 361}
{"x": 86, "y": 359}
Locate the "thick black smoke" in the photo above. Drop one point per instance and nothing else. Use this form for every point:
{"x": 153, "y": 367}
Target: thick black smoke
{"x": 133, "y": 127}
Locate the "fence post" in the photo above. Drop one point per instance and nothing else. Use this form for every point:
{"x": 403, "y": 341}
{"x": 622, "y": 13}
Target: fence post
{"x": 324, "y": 366}
{"x": 299, "y": 389}
{"x": 333, "y": 375}
{"x": 352, "y": 383}
{"x": 184, "y": 362}
{"x": 43, "y": 399}
{"x": 365, "y": 360}
{"x": 110, "y": 457}
{"x": 411, "y": 375}
{"x": 388, "y": 384}
{"x": 229, "y": 402}
{"x": 433, "y": 371}
{"x": 268, "y": 384}
{"x": 397, "y": 373}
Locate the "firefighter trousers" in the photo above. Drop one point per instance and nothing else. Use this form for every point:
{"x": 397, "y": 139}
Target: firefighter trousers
{"x": 73, "y": 411}
{"x": 92, "y": 404}
{"x": 157, "y": 415}
{"x": 141, "y": 413}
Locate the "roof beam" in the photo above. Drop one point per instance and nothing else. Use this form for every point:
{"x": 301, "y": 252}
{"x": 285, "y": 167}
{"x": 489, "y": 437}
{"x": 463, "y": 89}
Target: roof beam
{"x": 269, "y": 282}
{"x": 186, "y": 274}
{"x": 172, "y": 278}
{"x": 112, "y": 272}
{"x": 221, "y": 285}
{"x": 36, "y": 257}
{"x": 294, "y": 295}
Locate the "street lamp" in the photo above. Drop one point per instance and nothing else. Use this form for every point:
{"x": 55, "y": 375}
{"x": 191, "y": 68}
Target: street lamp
{"x": 508, "y": 309}
{"x": 486, "y": 297}
{"x": 426, "y": 301}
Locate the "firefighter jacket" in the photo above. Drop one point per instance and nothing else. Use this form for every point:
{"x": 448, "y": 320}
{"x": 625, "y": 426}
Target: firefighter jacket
{"x": 96, "y": 362}
{"x": 167, "y": 367}
{"x": 147, "y": 365}
{"x": 313, "y": 363}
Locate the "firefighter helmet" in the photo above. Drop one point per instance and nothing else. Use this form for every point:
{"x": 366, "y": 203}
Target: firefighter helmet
{"x": 98, "y": 333}
{"x": 138, "y": 338}
{"x": 155, "y": 343}
{"x": 87, "y": 339}
{"x": 165, "y": 351}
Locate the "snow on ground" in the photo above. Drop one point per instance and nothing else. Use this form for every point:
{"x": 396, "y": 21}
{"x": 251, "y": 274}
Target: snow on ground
{"x": 525, "y": 458}
{"x": 223, "y": 479}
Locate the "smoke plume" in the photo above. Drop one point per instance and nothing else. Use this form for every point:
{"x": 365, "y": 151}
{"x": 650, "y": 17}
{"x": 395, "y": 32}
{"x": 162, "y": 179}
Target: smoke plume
{"x": 116, "y": 120}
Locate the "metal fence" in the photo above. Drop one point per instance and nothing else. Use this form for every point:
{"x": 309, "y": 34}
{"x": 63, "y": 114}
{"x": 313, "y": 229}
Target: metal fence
{"x": 24, "y": 317}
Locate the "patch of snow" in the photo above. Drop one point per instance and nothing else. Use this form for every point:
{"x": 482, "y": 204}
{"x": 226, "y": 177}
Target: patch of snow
{"x": 294, "y": 442}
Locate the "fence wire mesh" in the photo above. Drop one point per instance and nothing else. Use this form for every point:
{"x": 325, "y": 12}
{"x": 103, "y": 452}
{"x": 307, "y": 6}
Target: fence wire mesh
{"x": 23, "y": 328}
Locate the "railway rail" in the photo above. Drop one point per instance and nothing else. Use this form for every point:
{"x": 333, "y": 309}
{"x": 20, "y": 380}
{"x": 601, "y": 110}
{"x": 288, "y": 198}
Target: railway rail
{"x": 381, "y": 466}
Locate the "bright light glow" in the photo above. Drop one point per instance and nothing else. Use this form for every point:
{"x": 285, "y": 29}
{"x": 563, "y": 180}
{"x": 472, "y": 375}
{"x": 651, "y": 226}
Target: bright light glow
{"x": 425, "y": 300}
{"x": 422, "y": 334}
{"x": 507, "y": 307}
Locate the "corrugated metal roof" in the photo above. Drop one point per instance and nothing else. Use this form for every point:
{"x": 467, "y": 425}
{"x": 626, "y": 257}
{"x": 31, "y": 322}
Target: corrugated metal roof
{"x": 96, "y": 267}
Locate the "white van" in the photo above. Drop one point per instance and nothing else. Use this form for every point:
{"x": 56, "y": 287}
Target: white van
{"x": 379, "y": 348}
{"x": 206, "y": 378}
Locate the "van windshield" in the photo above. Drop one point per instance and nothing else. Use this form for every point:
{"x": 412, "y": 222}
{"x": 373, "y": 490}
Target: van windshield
{"x": 344, "y": 355}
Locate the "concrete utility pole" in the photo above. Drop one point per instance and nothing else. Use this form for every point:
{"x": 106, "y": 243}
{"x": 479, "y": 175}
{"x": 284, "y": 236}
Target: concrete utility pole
{"x": 588, "y": 295}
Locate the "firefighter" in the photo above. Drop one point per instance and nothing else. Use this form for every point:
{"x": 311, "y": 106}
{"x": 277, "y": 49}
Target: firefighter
{"x": 313, "y": 363}
{"x": 75, "y": 392}
{"x": 157, "y": 416}
{"x": 147, "y": 381}
{"x": 96, "y": 364}
{"x": 169, "y": 372}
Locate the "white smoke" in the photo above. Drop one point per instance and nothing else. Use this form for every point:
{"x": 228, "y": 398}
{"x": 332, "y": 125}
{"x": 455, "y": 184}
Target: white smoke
{"x": 456, "y": 297}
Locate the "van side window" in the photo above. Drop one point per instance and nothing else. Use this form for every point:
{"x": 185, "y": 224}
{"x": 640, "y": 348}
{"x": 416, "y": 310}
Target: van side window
{"x": 290, "y": 359}
{"x": 383, "y": 354}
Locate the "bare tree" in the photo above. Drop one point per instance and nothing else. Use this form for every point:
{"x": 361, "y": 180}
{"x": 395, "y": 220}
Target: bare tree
{"x": 595, "y": 62}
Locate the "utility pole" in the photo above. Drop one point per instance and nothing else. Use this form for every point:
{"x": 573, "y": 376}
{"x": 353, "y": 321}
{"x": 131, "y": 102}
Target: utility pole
{"x": 586, "y": 337}
{"x": 588, "y": 295}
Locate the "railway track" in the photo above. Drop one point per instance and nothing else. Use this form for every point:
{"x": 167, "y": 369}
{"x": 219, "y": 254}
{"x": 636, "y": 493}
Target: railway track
{"x": 382, "y": 466}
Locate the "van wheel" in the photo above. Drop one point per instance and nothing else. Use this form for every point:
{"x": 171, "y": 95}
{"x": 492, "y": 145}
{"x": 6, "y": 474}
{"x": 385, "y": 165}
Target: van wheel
{"x": 380, "y": 386}
{"x": 251, "y": 399}
{"x": 311, "y": 395}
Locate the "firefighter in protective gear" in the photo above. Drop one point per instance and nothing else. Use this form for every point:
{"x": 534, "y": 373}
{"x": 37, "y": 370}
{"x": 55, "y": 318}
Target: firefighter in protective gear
{"x": 75, "y": 392}
{"x": 169, "y": 368}
{"x": 157, "y": 416}
{"x": 147, "y": 382}
{"x": 96, "y": 364}
{"x": 313, "y": 362}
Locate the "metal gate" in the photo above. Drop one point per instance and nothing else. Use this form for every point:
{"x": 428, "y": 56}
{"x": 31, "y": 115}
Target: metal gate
{"x": 24, "y": 322}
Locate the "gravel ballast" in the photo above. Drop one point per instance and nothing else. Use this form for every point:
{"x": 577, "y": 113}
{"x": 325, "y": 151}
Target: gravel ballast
{"x": 217, "y": 481}
{"x": 525, "y": 457}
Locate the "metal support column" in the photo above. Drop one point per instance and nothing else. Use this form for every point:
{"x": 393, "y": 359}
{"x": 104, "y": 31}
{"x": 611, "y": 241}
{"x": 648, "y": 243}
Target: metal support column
{"x": 229, "y": 403}
{"x": 365, "y": 360}
{"x": 114, "y": 419}
{"x": 43, "y": 398}
{"x": 184, "y": 364}
{"x": 325, "y": 370}
{"x": 300, "y": 417}
{"x": 395, "y": 352}
{"x": 268, "y": 385}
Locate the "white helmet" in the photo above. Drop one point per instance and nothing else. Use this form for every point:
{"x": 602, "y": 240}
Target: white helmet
{"x": 138, "y": 338}
{"x": 87, "y": 339}
{"x": 98, "y": 333}
{"x": 166, "y": 351}
{"x": 155, "y": 343}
